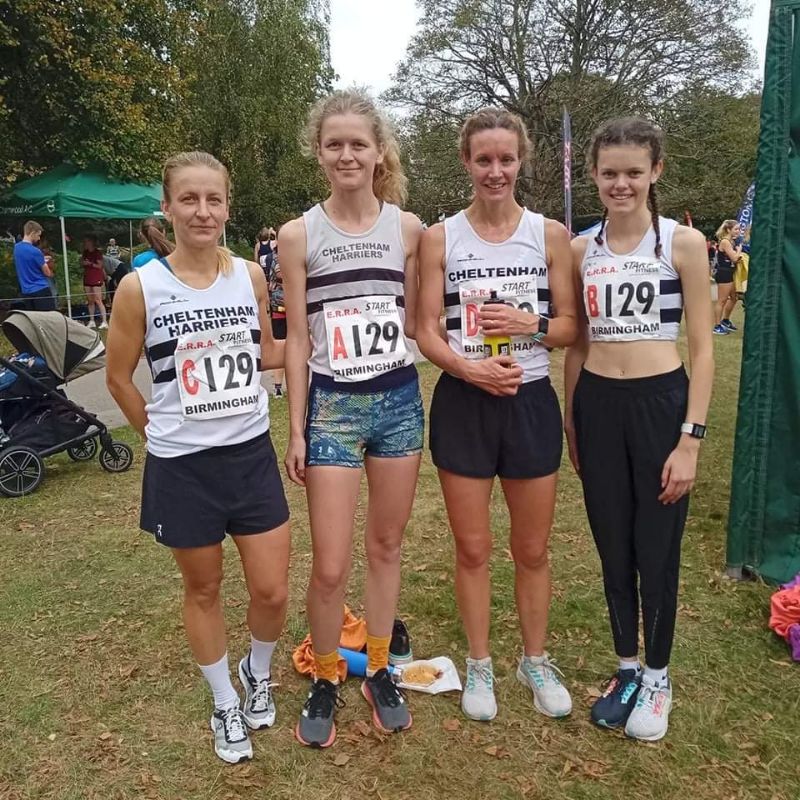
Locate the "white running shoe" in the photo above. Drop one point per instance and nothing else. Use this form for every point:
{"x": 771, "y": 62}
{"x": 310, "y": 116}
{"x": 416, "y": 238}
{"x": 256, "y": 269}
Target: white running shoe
{"x": 259, "y": 704}
{"x": 91, "y": 324}
{"x": 231, "y": 740}
{"x": 477, "y": 699}
{"x": 649, "y": 719}
{"x": 550, "y": 696}
{"x": 103, "y": 325}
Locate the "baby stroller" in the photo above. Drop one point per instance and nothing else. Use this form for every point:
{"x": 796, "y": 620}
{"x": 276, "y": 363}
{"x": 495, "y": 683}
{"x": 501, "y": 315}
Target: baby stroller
{"x": 37, "y": 419}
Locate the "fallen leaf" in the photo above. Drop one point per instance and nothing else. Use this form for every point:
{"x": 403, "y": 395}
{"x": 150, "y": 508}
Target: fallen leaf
{"x": 362, "y": 727}
{"x": 593, "y": 691}
{"x": 340, "y": 760}
{"x": 105, "y": 735}
{"x": 451, "y": 724}
{"x": 492, "y": 750}
{"x": 52, "y": 737}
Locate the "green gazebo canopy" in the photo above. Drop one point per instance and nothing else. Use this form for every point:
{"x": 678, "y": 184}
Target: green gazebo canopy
{"x": 68, "y": 191}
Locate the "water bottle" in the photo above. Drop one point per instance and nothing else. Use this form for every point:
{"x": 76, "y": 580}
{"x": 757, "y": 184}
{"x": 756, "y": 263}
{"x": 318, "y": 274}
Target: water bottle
{"x": 495, "y": 345}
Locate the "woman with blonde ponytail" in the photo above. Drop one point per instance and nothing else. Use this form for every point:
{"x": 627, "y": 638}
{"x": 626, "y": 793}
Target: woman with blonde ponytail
{"x": 350, "y": 279}
{"x": 201, "y": 316}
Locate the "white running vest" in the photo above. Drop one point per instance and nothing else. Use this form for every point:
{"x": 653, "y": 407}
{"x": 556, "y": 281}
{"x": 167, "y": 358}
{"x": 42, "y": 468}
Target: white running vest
{"x": 355, "y": 297}
{"x": 635, "y": 296}
{"x": 210, "y": 340}
{"x": 515, "y": 269}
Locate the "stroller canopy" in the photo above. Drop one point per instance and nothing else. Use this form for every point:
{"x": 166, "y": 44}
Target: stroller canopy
{"x": 69, "y": 348}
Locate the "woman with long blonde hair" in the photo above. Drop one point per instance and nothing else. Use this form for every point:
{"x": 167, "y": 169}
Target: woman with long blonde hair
{"x": 201, "y": 316}
{"x": 349, "y": 273}
{"x": 728, "y": 256}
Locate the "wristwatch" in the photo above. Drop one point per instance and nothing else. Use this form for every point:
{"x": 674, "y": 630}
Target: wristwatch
{"x": 544, "y": 324}
{"x": 694, "y": 430}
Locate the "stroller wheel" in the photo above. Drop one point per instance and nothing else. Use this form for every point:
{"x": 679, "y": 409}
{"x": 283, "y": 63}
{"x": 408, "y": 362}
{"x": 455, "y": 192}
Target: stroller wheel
{"x": 117, "y": 458}
{"x": 85, "y": 451}
{"x": 21, "y": 471}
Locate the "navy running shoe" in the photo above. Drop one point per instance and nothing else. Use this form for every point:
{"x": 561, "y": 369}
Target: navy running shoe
{"x": 614, "y": 706}
{"x": 721, "y": 330}
{"x": 726, "y": 323}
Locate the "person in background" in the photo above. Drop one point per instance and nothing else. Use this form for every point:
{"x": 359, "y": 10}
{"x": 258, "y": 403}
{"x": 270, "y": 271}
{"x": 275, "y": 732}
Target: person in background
{"x": 277, "y": 312}
{"x": 728, "y": 255}
{"x": 112, "y": 248}
{"x": 115, "y": 270}
{"x": 33, "y": 273}
{"x": 266, "y": 243}
{"x": 151, "y": 233}
{"x": 49, "y": 268}
{"x": 94, "y": 279}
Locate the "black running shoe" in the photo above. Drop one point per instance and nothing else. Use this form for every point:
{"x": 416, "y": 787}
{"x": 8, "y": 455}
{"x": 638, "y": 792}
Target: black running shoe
{"x": 613, "y": 708}
{"x": 316, "y": 726}
{"x": 390, "y": 712}
{"x": 400, "y": 646}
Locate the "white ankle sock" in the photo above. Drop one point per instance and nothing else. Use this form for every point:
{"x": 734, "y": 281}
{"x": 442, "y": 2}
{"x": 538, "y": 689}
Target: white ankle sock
{"x": 631, "y": 665}
{"x": 658, "y": 676}
{"x": 219, "y": 679}
{"x": 261, "y": 658}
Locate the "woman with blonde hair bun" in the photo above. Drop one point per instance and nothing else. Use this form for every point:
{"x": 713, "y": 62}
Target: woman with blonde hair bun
{"x": 349, "y": 273}
{"x": 201, "y": 316}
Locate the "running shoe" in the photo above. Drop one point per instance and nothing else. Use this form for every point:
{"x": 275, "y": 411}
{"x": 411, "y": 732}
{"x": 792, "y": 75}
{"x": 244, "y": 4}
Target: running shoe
{"x": 316, "y": 727}
{"x": 259, "y": 704}
{"x": 650, "y": 717}
{"x": 477, "y": 699}
{"x": 726, "y": 323}
{"x": 550, "y": 696}
{"x": 91, "y": 324}
{"x": 390, "y": 712}
{"x": 614, "y": 706}
{"x": 721, "y": 330}
{"x": 103, "y": 326}
{"x": 231, "y": 741}
{"x": 400, "y": 645}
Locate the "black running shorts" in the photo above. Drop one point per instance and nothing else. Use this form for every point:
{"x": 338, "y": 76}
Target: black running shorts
{"x": 194, "y": 500}
{"x": 478, "y": 435}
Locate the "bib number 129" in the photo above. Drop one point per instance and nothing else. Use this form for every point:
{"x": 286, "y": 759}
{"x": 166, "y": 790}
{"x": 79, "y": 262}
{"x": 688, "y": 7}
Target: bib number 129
{"x": 376, "y": 336}
{"x": 618, "y": 299}
{"x": 223, "y": 372}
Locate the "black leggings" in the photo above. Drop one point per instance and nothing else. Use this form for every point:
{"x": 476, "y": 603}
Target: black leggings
{"x": 626, "y": 429}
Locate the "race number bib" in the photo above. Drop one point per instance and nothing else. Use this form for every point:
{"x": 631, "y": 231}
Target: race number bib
{"x": 365, "y": 337}
{"x": 217, "y": 373}
{"x": 519, "y": 292}
{"x": 622, "y": 296}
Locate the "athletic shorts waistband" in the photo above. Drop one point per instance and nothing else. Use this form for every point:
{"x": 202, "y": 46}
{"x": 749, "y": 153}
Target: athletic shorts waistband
{"x": 651, "y": 384}
{"x": 527, "y": 389}
{"x": 381, "y": 383}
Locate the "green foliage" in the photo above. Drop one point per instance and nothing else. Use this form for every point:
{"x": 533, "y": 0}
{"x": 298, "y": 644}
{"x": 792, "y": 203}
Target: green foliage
{"x": 89, "y": 81}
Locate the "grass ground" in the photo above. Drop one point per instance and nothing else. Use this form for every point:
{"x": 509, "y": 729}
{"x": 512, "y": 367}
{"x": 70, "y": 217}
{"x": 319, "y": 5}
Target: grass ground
{"x": 101, "y": 698}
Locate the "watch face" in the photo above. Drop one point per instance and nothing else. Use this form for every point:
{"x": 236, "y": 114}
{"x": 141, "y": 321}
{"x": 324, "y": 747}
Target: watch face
{"x": 544, "y": 324}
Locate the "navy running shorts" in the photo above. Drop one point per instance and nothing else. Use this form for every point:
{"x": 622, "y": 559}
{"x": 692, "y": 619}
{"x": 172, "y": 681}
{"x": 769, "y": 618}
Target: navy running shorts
{"x": 478, "y": 435}
{"x": 194, "y": 500}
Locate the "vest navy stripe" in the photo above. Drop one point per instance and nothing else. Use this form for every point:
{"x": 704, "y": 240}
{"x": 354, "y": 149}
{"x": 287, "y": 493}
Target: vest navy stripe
{"x": 314, "y": 308}
{"x": 166, "y": 349}
{"x": 672, "y": 286}
{"x": 355, "y": 276}
{"x": 671, "y": 315}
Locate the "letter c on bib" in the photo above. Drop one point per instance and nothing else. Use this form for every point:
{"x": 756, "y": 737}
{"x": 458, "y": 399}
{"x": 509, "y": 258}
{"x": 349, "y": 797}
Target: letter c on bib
{"x": 189, "y": 382}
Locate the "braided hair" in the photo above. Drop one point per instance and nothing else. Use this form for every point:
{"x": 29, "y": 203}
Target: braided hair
{"x": 635, "y": 131}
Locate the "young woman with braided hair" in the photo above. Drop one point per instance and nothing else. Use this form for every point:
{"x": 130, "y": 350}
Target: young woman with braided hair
{"x": 634, "y": 420}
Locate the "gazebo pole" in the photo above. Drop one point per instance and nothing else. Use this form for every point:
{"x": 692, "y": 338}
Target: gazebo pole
{"x": 66, "y": 267}
{"x": 130, "y": 231}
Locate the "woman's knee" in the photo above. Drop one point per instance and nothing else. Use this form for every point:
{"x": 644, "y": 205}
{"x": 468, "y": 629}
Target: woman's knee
{"x": 473, "y": 553}
{"x": 203, "y": 591}
{"x": 532, "y": 554}
{"x": 385, "y": 549}
{"x": 329, "y": 579}
{"x": 272, "y": 597}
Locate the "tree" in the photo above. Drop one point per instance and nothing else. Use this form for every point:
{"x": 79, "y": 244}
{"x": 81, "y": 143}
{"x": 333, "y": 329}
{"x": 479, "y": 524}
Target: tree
{"x": 251, "y": 77}
{"x": 90, "y": 81}
{"x": 600, "y": 58}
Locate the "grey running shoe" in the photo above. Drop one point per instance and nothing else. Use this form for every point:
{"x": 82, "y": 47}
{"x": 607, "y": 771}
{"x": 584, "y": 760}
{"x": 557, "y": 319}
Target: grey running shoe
{"x": 477, "y": 699}
{"x": 649, "y": 719}
{"x": 231, "y": 742}
{"x": 316, "y": 726}
{"x": 390, "y": 712}
{"x": 550, "y": 696}
{"x": 259, "y": 705}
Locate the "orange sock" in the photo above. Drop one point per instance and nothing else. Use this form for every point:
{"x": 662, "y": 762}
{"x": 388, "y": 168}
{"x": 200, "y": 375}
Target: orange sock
{"x": 377, "y": 653}
{"x": 326, "y": 666}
